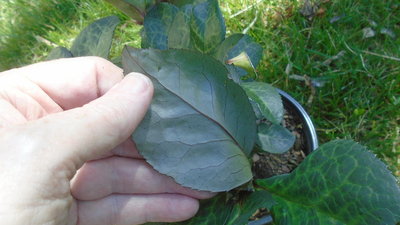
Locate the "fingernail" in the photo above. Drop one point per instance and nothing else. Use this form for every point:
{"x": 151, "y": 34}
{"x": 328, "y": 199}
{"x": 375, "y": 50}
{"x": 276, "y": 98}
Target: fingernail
{"x": 138, "y": 82}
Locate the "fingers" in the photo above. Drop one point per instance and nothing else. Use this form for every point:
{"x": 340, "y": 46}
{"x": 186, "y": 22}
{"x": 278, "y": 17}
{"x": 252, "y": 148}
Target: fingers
{"x": 9, "y": 115}
{"x": 136, "y": 209}
{"x": 81, "y": 134}
{"x": 125, "y": 149}
{"x": 72, "y": 82}
{"x": 25, "y": 97}
{"x": 98, "y": 179}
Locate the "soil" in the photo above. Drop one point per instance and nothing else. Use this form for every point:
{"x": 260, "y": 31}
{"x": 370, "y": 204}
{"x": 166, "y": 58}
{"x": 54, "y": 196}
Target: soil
{"x": 267, "y": 164}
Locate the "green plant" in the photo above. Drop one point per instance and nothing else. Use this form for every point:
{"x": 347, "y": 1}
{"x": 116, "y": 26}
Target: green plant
{"x": 208, "y": 114}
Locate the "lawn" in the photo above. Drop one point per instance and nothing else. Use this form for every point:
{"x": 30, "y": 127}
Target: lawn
{"x": 340, "y": 59}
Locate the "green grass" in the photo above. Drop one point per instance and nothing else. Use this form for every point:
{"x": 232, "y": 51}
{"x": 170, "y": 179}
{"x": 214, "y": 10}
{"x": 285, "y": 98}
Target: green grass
{"x": 22, "y": 22}
{"x": 360, "y": 99}
{"x": 30, "y": 29}
{"x": 361, "y": 95}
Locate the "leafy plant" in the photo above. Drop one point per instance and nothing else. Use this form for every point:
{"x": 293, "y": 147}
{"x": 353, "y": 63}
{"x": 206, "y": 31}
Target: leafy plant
{"x": 208, "y": 116}
{"x": 94, "y": 40}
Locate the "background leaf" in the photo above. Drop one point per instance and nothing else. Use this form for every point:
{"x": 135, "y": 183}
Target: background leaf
{"x": 96, "y": 39}
{"x": 199, "y": 123}
{"x": 157, "y": 24}
{"x": 186, "y": 2}
{"x": 136, "y": 9}
{"x": 207, "y": 26}
{"x": 274, "y": 138}
{"x": 243, "y": 61}
{"x": 268, "y": 99}
{"x": 179, "y": 32}
{"x": 341, "y": 181}
{"x": 235, "y": 44}
{"x": 236, "y": 73}
{"x": 142, "y": 5}
{"x": 199, "y": 26}
{"x": 58, "y": 53}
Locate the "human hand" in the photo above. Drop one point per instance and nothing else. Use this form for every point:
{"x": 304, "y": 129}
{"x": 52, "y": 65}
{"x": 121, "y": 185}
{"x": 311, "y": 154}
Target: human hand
{"x": 60, "y": 116}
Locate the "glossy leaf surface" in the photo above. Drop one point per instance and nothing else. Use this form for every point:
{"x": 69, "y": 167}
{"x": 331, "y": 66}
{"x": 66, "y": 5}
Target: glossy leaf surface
{"x": 58, "y": 53}
{"x": 339, "y": 183}
{"x": 96, "y": 39}
{"x": 268, "y": 99}
{"x": 200, "y": 126}
{"x": 274, "y": 138}
{"x": 287, "y": 213}
{"x": 179, "y": 32}
{"x": 198, "y": 26}
{"x": 207, "y": 26}
{"x": 157, "y": 24}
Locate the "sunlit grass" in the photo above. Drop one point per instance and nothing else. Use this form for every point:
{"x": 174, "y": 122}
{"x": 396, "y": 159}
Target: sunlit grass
{"x": 360, "y": 98}
{"x": 30, "y": 29}
{"x": 23, "y": 22}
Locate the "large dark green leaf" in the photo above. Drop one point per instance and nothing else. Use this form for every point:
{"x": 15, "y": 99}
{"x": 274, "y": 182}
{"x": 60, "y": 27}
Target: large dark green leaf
{"x": 207, "y": 26}
{"x": 58, "y": 53}
{"x": 339, "y": 183}
{"x": 96, "y": 39}
{"x": 268, "y": 99}
{"x": 289, "y": 213}
{"x": 274, "y": 138}
{"x": 243, "y": 210}
{"x": 235, "y": 44}
{"x": 200, "y": 127}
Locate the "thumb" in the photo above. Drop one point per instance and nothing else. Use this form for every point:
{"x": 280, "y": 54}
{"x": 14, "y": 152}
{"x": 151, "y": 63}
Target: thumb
{"x": 81, "y": 134}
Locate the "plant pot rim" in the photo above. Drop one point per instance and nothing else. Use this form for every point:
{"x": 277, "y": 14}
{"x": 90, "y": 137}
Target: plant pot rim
{"x": 309, "y": 129}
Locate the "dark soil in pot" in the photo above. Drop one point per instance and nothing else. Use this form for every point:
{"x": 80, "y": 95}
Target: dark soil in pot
{"x": 267, "y": 164}
{"x": 298, "y": 122}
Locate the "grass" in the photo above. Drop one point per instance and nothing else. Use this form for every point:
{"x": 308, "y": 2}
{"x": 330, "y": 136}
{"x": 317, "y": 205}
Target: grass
{"x": 30, "y": 29}
{"x": 359, "y": 95}
{"x": 22, "y": 22}
{"x": 361, "y": 91}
